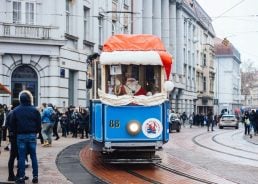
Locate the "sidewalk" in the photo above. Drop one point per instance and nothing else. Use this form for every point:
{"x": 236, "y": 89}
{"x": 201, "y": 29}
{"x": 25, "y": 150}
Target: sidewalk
{"x": 48, "y": 171}
{"x": 253, "y": 140}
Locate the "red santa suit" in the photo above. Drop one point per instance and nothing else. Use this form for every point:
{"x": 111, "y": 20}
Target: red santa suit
{"x": 133, "y": 88}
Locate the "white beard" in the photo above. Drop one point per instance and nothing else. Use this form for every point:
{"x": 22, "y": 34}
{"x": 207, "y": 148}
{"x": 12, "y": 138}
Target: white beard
{"x": 132, "y": 87}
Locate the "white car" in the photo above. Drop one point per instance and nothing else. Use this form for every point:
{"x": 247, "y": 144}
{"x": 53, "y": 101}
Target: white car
{"x": 228, "y": 120}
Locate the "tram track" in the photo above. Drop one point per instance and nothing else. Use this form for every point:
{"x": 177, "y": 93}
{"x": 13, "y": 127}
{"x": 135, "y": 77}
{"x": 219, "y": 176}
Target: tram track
{"x": 149, "y": 173}
{"x": 184, "y": 174}
{"x": 194, "y": 140}
{"x": 232, "y": 147}
{"x": 143, "y": 177}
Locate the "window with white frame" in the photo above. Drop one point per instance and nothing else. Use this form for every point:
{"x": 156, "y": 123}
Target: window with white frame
{"x": 24, "y": 12}
{"x": 101, "y": 24}
{"x": 204, "y": 60}
{"x": 204, "y": 83}
{"x": 113, "y": 27}
{"x": 86, "y": 21}
{"x": 68, "y": 16}
{"x": 30, "y": 10}
{"x": 17, "y": 19}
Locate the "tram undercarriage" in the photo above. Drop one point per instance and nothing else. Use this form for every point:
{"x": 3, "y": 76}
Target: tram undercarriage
{"x": 129, "y": 153}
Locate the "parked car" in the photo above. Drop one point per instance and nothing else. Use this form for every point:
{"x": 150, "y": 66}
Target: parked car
{"x": 228, "y": 120}
{"x": 174, "y": 123}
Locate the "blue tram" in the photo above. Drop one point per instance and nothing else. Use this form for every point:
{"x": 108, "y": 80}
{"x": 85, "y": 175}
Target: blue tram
{"x": 129, "y": 108}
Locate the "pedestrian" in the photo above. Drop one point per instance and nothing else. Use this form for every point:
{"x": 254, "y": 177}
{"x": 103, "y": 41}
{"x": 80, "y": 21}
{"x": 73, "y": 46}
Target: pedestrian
{"x": 76, "y": 118}
{"x": 4, "y": 128}
{"x": 84, "y": 123}
{"x": 25, "y": 122}
{"x": 47, "y": 125}
{"x": 183, "y": 117}
{"x": 252, "y": 121}
{"x": 13, "y": 151}
{"x": 55, "y": 117}
{"x": 210, "y": 121}
{"x": 64, "y": 124}
{"x": 191, "y": 117}
{"x": 246, "y": 123}
{"x": 2, "y": 118}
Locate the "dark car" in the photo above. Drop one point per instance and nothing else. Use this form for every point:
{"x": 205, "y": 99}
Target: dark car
{"x": 174, "y": 123}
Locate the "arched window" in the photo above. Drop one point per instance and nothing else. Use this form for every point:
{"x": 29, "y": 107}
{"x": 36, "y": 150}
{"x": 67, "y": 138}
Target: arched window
{"x": 24, "y": 78}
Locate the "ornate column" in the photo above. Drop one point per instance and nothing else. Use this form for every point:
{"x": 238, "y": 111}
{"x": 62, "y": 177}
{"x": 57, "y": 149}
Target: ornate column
{"x": 173, "y": 34}
{"x": 180, "y": 40}
{"x": 165, "y": 22}
{"x": 147, "y": 14}
{"x": 157, "y": 18}
{"x": 53, "y": 94}
{"x": 137, "y": 25}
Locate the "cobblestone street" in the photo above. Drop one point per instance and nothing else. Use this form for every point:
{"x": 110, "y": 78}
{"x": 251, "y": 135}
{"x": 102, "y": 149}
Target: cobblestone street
{"x": 222, "y": 152}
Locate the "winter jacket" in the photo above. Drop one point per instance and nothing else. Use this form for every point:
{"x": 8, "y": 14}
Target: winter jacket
{"x": 46, "y": 115}
{"x": 25, "y": 118}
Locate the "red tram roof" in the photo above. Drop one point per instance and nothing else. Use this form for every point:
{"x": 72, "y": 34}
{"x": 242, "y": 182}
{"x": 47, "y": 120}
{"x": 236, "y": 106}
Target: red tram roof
{"x": 139, "y": 42}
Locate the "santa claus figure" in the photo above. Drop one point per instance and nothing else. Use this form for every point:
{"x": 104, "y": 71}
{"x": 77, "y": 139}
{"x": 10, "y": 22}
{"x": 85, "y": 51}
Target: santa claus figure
{"x": 132, "y": 87}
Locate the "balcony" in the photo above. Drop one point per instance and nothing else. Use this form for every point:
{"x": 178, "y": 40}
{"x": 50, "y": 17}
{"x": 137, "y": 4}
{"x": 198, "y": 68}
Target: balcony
{"x": 25, "y": 31}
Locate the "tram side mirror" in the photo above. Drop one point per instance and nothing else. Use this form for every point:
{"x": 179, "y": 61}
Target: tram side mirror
{"x": 89, "y": 83}
{"x": 168, "y": 86}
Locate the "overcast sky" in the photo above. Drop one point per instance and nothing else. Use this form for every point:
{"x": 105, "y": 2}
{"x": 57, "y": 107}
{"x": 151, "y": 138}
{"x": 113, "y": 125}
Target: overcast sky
{"x": 239, "y": 24}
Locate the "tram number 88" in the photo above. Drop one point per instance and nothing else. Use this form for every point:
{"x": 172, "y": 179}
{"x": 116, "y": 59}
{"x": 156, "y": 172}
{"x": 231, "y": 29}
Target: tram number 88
{"x": 114, "y": 123}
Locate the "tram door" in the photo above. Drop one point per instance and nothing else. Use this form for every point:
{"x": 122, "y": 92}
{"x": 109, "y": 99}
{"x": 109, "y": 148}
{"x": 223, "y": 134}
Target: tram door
{"x": 24, "y": 78}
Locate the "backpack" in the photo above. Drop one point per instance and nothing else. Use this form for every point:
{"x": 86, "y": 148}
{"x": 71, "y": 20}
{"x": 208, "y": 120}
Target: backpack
{"x": 53, "y": 116}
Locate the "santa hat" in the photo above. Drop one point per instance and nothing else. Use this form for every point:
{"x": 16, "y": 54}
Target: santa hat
{"x": 142, "y": 49}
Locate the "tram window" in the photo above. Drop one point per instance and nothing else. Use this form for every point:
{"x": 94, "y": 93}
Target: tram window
{"x": 146, "y": 76}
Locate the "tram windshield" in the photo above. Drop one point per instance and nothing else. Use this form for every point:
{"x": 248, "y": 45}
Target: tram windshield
{"x": 132, "y": 80}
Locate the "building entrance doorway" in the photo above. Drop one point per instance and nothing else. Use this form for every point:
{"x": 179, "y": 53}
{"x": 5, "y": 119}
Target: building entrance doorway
{"x": 24, "y": 78}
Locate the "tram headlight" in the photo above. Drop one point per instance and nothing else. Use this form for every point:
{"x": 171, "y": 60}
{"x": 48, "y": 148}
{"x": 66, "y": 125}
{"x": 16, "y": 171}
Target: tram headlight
{"x": 133, "y": 127}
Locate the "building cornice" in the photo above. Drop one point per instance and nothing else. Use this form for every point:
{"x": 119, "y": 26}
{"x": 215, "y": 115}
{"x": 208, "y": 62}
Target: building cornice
{"x": 5, "y": 39}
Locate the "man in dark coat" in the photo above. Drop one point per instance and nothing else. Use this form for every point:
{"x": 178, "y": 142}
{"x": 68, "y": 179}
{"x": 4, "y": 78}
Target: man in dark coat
{"x": 25, "y": 122}
{"x": 210, "y": 121}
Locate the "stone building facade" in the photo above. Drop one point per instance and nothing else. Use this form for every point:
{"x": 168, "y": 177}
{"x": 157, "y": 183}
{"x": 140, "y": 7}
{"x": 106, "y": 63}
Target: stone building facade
{"x": 187, "y": 33}
{"x": 228, "y": 79}
{"x": 44, "y": 45}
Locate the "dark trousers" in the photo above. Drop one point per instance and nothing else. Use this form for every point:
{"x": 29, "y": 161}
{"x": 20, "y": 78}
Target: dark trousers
{"x": 41, "y": 138}
{"x": 75, "y": 129}
{"x": 0, "y": 135}
{"x": 210, "y": 123}
{"x": 4, "y": 133}
{"x": 82, "y": 130}
{"x": 55, "y": 130}
{"x": 13, "y": 155}
{"x": 247, "y": 129}
{"x": 27, "y": 144}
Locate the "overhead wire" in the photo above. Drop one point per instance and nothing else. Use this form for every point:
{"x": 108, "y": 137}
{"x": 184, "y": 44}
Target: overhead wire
{"x": 223, "y": 13}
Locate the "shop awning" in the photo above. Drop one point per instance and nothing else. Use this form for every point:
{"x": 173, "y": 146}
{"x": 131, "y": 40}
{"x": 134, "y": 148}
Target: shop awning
{"x": 4, "y": 90}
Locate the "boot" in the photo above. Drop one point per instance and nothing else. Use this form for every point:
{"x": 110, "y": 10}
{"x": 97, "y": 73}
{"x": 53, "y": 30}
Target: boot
{"x": 45, "y": 144}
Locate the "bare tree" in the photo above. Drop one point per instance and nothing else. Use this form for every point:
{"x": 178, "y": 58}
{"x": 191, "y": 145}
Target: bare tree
{"x": 248, "y": 77}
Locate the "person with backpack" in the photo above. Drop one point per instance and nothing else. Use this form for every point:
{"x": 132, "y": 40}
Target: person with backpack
{"x": 55, "y": 117}
{"x": 76, "y": 118}
{"x": 64, "y": 124}
{"x": 47, "y": 125}
{"x": 84, "y": 123}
